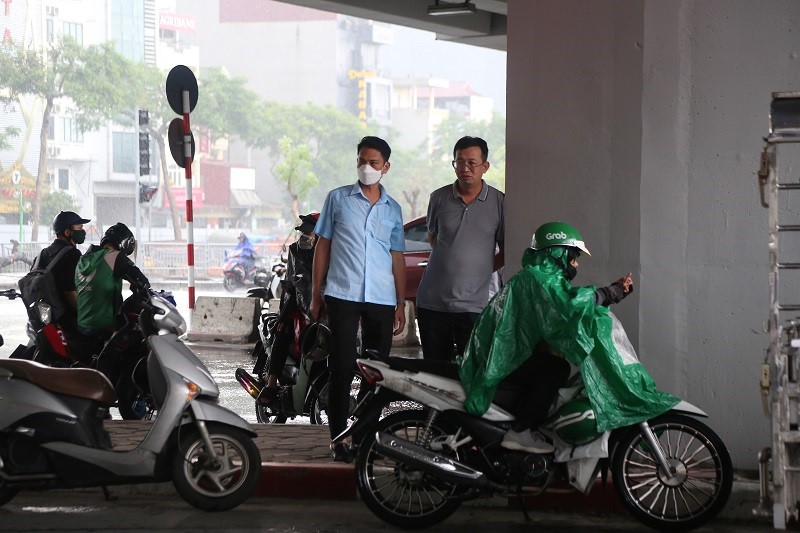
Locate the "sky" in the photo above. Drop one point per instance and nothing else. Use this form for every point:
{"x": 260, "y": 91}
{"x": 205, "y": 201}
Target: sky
{"x": 418, "y": 53}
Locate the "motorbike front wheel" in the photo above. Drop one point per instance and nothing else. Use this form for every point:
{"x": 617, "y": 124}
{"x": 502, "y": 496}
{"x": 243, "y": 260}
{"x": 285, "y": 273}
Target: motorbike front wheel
{"x": 218, "y": 479}
{"x": 692, "y": 496}
{"x": 265, "y": 415}
{"x": 319, "y": 401}
{"x": 230, "y": 283}
{"x": 397, "y": 493}
{"x": 133, "y": 405}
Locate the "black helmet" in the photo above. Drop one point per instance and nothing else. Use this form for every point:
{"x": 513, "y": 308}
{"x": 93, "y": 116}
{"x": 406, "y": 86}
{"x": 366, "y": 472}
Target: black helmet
{"x": 316, "y": 342}
{"x": 120, "y": 236}
{"x": 66, "y": 219}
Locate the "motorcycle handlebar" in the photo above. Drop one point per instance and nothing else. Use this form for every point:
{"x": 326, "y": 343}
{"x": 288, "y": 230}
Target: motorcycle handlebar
{"x": 10, "y": 294}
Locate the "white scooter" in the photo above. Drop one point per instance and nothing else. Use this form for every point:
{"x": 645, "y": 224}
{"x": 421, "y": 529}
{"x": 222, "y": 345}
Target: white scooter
{"x": 415, "y": 467}
{"x": 52, "y": 435}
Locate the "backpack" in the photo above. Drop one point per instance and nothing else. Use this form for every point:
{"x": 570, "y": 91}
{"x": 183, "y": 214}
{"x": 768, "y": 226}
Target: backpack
{"x": 39, "y": 285}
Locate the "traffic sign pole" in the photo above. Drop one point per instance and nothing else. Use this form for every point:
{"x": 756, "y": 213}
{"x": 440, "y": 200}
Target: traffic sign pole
{"x": 187, "y": 155}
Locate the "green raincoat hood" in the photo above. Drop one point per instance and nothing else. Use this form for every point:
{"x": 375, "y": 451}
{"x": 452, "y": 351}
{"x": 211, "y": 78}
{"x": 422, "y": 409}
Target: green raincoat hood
{"x": 537, "y": 304}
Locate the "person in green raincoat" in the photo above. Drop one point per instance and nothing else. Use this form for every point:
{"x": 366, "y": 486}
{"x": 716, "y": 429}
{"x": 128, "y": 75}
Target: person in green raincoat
{"x": 98, "y": 279}
{"x": 539, "y": 324}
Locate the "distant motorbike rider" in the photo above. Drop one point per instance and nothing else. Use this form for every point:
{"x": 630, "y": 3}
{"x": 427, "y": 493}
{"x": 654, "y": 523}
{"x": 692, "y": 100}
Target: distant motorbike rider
{"x": 98, "y": 278}
{"x": 68, "y": 227}
{"x": 296, "y": 299}
{"x": 516, "y": 336}
{"x": 246, "y": 252}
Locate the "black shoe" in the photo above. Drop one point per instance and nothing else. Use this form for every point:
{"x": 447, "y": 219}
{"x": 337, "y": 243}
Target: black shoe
{"x": 269, "y": 396}
{"x": 342, "y": 452}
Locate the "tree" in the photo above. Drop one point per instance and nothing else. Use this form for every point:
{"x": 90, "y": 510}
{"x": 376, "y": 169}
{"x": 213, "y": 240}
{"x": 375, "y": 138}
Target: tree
{"x": 53, "y": 203}
{"x": 493, "y": 132}
{"x": 295, "y": 172}
{"x": 330, "y": 134}
{"x": 88, "y": 76}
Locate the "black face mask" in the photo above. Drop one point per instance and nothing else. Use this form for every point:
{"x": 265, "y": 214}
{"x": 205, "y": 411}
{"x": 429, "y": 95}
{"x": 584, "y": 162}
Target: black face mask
{"x": 78, "y": 236}
{"x": 570, "y": 272}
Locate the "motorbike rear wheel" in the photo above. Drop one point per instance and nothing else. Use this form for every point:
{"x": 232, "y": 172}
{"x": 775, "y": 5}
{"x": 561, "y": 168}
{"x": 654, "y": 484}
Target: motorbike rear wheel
{"x": 694, "y": 495}
{"x": 219, "y": 482}
{"x": 397, "y": 493}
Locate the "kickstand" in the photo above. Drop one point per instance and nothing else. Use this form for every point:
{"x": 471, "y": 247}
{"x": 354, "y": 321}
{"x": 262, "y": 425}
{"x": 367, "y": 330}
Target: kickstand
{"x": 109, "y": 497}
{"x": 522, "y": 504}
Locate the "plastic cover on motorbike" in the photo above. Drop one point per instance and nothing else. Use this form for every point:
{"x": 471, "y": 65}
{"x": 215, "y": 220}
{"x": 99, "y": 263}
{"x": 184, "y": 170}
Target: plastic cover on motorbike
{"x": 538, "y": 303}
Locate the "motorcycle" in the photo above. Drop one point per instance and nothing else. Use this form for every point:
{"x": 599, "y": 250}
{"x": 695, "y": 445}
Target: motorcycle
{"x": 304, "y": 379}
{"x": 122, "y": 358}
{"x": 415, "y": 468}
{"x": 52, "y": 435}
{"x": 237, "y": 273}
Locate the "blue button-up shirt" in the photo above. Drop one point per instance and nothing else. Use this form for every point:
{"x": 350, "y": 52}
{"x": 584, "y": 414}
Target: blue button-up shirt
{"x": 363, "y": 237}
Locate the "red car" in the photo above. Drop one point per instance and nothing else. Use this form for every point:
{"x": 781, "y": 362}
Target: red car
{"x": 418, "y": 250}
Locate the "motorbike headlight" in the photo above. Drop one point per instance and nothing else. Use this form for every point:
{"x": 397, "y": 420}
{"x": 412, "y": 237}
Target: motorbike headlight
{"x": 45, "y": 312}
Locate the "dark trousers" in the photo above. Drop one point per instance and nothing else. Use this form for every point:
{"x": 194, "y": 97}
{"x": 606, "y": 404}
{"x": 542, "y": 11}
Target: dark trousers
{"x": 444, "y": 335}
{"x": 377, "y": 322}
{"x": 540, "y": 377}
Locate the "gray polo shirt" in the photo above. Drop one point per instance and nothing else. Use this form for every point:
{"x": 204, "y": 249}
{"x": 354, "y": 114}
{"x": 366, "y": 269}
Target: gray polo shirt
{"x": 459, "y": 270}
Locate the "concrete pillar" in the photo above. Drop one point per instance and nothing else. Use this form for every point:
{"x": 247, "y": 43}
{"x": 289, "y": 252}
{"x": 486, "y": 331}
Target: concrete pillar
{"x": 640, "y": 123}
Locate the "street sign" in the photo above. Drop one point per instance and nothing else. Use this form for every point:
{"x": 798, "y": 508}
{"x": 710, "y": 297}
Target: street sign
{"x": 181, "y": 78}
{"x": 175, "y": 140}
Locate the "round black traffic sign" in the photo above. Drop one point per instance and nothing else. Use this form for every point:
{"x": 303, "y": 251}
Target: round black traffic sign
{"x": 181, "y": 78}
{"x": 175, "y": 139}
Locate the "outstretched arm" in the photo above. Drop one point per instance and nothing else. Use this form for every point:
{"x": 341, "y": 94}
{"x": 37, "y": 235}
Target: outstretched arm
{"x": 615, "y": 292}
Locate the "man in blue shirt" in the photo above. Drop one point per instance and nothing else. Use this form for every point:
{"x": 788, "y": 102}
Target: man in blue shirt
{"x": 359, "y": 260}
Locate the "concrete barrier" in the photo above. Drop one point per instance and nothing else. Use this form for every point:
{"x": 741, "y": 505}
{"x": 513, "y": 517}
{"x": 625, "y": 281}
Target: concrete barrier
{"x": 223, "y": 319}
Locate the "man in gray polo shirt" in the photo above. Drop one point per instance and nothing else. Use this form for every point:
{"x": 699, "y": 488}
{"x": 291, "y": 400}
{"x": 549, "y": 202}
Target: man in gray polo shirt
{"x": 465, "y": 228}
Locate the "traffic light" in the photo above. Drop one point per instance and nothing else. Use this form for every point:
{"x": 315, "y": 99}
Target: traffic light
{"x": 144, "y": 143}
{"x": 146, "y": 193}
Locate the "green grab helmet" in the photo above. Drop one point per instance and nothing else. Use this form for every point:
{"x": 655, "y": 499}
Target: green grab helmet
{"x": 558, "y": 234}
{"x": 575, "y": 422}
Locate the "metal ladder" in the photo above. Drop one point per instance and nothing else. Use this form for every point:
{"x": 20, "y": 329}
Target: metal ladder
{"x": 779, "y": 465}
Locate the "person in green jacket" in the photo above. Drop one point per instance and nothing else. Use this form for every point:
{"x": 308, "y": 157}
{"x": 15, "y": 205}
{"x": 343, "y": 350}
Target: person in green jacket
{"x": 98, "y": 279}
{"x": 537, "y": 326}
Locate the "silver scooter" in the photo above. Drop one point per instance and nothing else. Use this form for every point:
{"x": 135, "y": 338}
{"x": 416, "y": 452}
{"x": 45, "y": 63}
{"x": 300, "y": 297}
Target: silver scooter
{"x": 52, "y": 435}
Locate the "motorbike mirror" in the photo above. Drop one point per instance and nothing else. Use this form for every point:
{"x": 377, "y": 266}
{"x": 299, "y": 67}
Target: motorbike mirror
{"x": 1, "y": 340}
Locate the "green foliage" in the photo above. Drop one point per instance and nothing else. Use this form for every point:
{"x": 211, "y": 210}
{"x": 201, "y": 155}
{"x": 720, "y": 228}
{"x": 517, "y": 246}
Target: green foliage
{"x": 294, "y": 171}
{"x": 5, "y": 135}
{"x": 95, "y": 78}
{"x": 53, "y": 203}
{"x": 415, "y": 174}
{"x": 330, "y": 134}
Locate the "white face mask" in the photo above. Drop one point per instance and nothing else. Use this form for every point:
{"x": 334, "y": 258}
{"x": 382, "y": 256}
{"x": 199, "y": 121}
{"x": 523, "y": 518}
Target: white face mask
{"x": 368, "y": 175}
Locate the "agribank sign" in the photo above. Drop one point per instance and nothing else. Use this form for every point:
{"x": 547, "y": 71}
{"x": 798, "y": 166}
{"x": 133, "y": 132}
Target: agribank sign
{"x": 173, "y": 21}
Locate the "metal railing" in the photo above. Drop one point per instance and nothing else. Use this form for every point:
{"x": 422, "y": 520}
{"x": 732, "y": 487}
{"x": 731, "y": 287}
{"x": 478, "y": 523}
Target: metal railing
{"x": 156, "y": 259}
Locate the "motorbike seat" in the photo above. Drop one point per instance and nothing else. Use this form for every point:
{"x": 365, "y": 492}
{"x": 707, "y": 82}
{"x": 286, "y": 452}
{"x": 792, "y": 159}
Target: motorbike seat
{"x": 79, "y": 382}
{"x": 444, "y": 369}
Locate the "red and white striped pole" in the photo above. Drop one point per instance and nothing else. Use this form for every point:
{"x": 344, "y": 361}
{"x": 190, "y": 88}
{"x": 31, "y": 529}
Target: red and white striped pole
{"x": 187, "y": 155}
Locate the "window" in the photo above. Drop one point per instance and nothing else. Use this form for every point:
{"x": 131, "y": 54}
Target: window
{"x": 417, "y": 237}
{"x": 51, "y": 129}
{"x": 63, "y": 179}
{"x": 127, "y": 28}
{"x": 71, "y": 132}
{"x": 74, "y": 30}
{"x": 51, "y": 32}
{"x": 126, "y": 151}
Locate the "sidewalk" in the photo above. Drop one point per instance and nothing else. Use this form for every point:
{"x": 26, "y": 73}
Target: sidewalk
{"x": 296, "y": 463}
